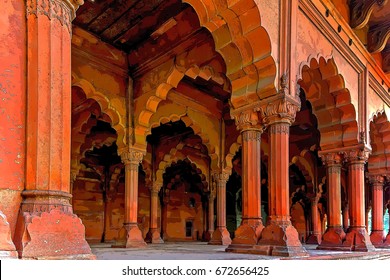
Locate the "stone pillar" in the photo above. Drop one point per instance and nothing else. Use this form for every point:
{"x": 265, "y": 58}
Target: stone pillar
{"x": 280, "y": 238}
{"x": 221, "y": 235}
{"x": 210, "y": 219}
{"x": 334, "y": 235}
{"x": 357, "y": 238}
{"x": 131, "y": 158}
{"x": 249, "y": 231}
{"x": 47, "y": 227}
{"x": 154, "y": 234}
{"x": 377, "y": 236}
{"x": 346, "y": 217}
{"x": 315, "y": 236}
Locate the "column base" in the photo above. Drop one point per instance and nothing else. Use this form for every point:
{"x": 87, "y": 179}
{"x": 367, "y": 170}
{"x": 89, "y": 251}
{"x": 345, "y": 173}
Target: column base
{"x": 333, "y": 239}
{"x": 377, "y": 239}
{"x": 130, "y": 236}
{"x": 7, "y": 247}
{"x": 314, "y": 238}
{"x": 220, "y": 236}
{"x": 154, "y": 236}
{"x": 52, "y": 235}
{"x": 280, "y": 238}
{"x": 246, "y": 237}
{"x": 357, "y": 239}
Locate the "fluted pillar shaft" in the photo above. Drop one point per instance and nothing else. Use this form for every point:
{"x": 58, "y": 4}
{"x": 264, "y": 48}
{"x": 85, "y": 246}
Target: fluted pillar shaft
{"x": 334, "y": 235}
{"x": 154, "y": 235}
{"x": 315, "y": 236}
{"x": 377, "y": 235}
{"x": 131, "y": 159}
{"x": 221, "y": 235}
{"x": 357, "y": 237}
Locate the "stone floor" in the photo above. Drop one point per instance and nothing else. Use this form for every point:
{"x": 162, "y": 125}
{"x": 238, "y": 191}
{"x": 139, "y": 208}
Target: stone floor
{"x": 202, "y": 251}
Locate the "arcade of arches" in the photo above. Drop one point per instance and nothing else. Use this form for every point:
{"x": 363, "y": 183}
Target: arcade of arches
{"x": 258, "y": 125}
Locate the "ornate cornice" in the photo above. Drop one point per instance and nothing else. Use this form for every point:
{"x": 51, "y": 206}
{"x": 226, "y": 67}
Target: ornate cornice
{"x": 62, "y": 10}
{"x": 361, "y": 11}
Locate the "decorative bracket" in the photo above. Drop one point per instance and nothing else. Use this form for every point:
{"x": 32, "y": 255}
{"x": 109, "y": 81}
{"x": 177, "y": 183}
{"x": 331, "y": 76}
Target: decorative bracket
{"x": 378, "y": 36}
{"x": 361, "y": 11}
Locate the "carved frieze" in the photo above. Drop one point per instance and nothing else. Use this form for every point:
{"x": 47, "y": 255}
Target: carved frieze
{"x": 39, "y": 201}
{"x": 279, "y": 128}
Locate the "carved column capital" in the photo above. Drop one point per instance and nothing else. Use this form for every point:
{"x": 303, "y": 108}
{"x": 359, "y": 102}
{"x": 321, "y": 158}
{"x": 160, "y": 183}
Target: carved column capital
{"x": 155, "y": 188}
{"x": 221, "y": 178}
{"x": 62, "y": 10}
{"x": 279, "y": 109}
{"x": 131, "y": 157}
{"x": 357, "y": 155}
{"x": 247, "y": 120}
{"x": 332, "y": 158}
{"x": 376, "y": 181}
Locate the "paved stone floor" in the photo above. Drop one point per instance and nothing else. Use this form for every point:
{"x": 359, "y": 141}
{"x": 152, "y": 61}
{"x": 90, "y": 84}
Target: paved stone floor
{"x": 202, "y": 251}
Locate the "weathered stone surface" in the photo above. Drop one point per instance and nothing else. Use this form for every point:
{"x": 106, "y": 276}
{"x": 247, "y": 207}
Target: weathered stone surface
{"x": 54, "y": 235}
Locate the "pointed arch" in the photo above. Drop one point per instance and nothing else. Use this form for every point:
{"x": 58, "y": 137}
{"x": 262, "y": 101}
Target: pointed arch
{"x": 379, "y": 161}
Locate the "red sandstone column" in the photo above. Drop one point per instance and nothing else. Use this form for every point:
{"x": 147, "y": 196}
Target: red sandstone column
{"x": 47, "y": 227}
{"x": 132, "y": 159}
{"x": 221, "y": 235}
{"x": 334, "y": 235}
{"x": 154, "y": 234}
{"x": 280, "y": 237}
{"x": 357, "y": 238}
{"x": 210, "y": 219}
{"x": 315, "y": 236}
{"x": 377, "y": 236}
{"x": 248, "y": 233}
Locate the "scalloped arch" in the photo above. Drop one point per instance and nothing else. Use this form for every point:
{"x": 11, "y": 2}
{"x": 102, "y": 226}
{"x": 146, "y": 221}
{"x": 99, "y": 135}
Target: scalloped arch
{"x": 379, "y": 161}
{"x": 325, "y": 88}
{"x": 117, "y": 121}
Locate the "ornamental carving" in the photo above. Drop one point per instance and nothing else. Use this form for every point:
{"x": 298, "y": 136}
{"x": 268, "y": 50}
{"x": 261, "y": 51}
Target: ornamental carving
{"x": 62, "y": 10}
{"x": 376, "y": 181}
{"x": 251, "y": 135}
{"x": 378, "y": 36}
{"x": 334, "y": 169}
{"x": 39, "y": 201}
{"x": 357, "y": 155}
{"x": 155, "y": 188}
{"x": 331, "y": 158}
{"x": 279, "y": 128}
{"x": 282, "y": 109}
{"x": 221, "y": 178}
{"x": 132, "y": 158}
{"x": 247, "y": 120}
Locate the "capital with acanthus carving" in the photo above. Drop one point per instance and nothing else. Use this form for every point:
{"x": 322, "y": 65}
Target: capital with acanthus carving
{"x": 376, "y": 180}
{"x": 331, "y": 158}
{"x": 131, "y": 156}
{"x": 247, "y": 119}
{"x": 155, "y": 187}
{"x": 281, "y": 108}
{"x": 358, "y": 155}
